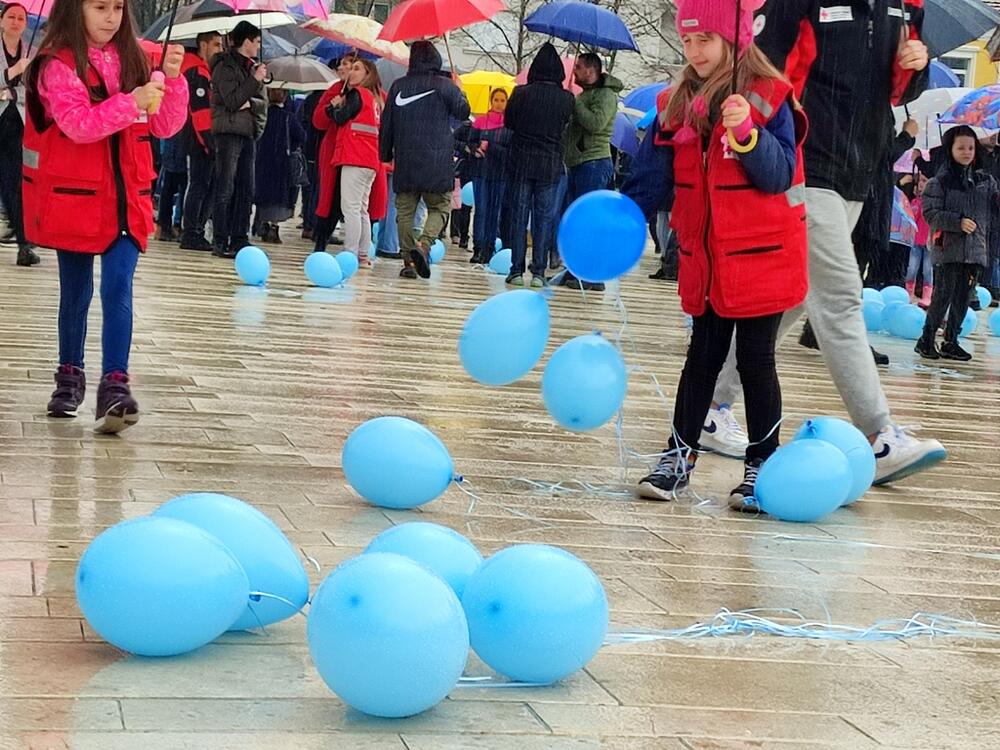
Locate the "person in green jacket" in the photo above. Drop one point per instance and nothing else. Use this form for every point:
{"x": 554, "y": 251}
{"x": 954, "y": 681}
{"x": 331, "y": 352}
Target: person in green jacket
{"x": 588, "y": 139}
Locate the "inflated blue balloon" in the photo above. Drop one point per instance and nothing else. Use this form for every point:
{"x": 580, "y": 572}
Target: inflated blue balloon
{"x": 872, "y": 310}
{"x": 252, "y": 265}
{"x": 584, "y": 383}
{"x": 895, "y": 294}
{"x": 443, "y": 551}
{"x": 908, "y": 322}
{"x": 504, "y": 337}
{"x": 871, "y": 294}
{"x": 270, "y": 561}
{"x": 387, "y": 635}
{"x": 322, "y": 269}
{"x": 376, "y": 231}
{"x": 393, "y": 462}
{"x": 984, "y": 296}
{"x": 501, "y": 262}
{"x": 348, "y": 263}
{"x": 159, "y": 587}
{"x": 437, "y": 251}
{"x": 888, "y": 312}
{"x": 852, "y": 443}
{"x": 536, "y": 613}
{"x": 602, "y": 235}
{"x": 498, "y": 245}
{"x": 468, "y": 195}
{"x": 969, "y": 324}
{"x": 804, "y": 481}
{"x": 995, "y": 322}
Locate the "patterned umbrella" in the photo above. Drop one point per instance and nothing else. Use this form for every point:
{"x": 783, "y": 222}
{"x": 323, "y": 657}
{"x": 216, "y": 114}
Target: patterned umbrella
{"x": 980, "y": 108}
{"x": 360, "y": 33}
{"x": 903, "y": 229}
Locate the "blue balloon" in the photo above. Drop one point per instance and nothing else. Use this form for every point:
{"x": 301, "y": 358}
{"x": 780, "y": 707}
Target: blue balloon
{"x": 804, "y": 481}
{"x": 852, "y": 443}
{"x": 872, "y": 310}
{"x": 888, "y": 312}
{"x": 871, "y": 294}
{"x": 908, "y": 322}
{"x": 895, "y": 294}
{"x": 995, "y": 322}
{"x": 468, "y": 195}
{"x": 159, "y": 587}
{"x": 584, "y": 383}
{"x": 536, "y": 613}
{"x": 498, "y": 245}
{"x": 443, "y": 551}
{"x": 270, "y": 561}
{"x": 387, "y": 635}
{"x": 376, "y": 231}
{"x": 437, "y": 251}
{"x": 602, "y": 235}
{"x": 984, "y": 296}
{"x": 969, "y": 324}
{"x": 393, "y": 462}
{"x": 252, "y": 265}
{"x": 322, "y": 269}
{"x": 504, "y": 337}
{"x": 348, "y": 263}
{"x": 501, "y": 262}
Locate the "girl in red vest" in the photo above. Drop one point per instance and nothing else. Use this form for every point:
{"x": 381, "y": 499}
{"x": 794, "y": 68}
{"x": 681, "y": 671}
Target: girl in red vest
{"x": 93, "y": 105}
{"x": 734, "y": 167}
{"x": 328, "y": 199}
{"x": 357, "y": 112}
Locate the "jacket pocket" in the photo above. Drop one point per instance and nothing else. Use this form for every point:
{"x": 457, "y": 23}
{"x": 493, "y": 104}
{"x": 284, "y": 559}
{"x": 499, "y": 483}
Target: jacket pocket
{"x": 761, "y": 277}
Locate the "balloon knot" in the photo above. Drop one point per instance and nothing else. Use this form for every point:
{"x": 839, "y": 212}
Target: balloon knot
{"x": 458, "y": 479}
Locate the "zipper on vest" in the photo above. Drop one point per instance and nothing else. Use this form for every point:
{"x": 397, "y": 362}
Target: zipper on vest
{"x": 122, "y": 199}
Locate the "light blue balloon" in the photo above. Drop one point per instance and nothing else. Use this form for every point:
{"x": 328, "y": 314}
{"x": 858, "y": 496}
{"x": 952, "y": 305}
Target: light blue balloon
{"x": 437, "y": 251}
{"x": 443, "y": 551}
{"x": 501, "y": 262}
{"x": 995, "y": 322}
{"x": 602, "y": 235}
{"x": 969, "y": 324}
{"x": 888, "y": 312}
{"x": 872, "y": 310}
{"x": 348, "y": 263}
{"x": 322, "y": 269}
{"x": 159, "y": 587}
{"x": 270, "y": 561}
{"x": 498, "y": 245}
{"x": 871, "y": 294}
{"x": 468, "y": 195}
{"x": 252, "y": 265}
{"x": 852, "y": 443}
{"x": 584, "y": 383}
{"x": 387, "y": 635}
{"x": 895, "y": 294}
{"x": 908, "y": 322}
{"x": 393, "y": 462}
{"x": 536, "y": 613}
{"x": 984, "y": 296}
{"x": 804, "y": 481}
{"x": 504, "y": 337}
{"x": 376, "y": 231}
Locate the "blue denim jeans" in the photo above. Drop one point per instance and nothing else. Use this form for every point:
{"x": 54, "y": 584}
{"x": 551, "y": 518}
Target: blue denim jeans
{"x": 537, "y": 199}
{"x": 920, "y": 256}
{"x": 588, "y": 177}
{"x": 486, "y": 218}
{"x": 388, "y": 235}
{"x": 76, "y": 289}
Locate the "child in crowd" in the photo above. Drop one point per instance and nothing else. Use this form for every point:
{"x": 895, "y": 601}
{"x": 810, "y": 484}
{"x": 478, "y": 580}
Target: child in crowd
{"x": 920, "y": 254}
{"x": 733, "y": 162}
{"x": 93, "y": 105}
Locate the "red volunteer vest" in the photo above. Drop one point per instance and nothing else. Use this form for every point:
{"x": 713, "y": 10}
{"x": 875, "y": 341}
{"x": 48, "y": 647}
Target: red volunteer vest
{"x": 742, "y": 250}
{"x": 357, "y": 140}
{"x": 82, "y": 197}
{"x": 201, "y": 118}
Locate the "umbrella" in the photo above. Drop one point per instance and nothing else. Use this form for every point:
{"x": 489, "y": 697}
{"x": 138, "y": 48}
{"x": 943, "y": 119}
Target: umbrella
{"x": 210, "y": 15}
{"x": 569, "y": 84}
{"x": 925, "y": 110}
{"x": 389, "y": 72}
{"x": 305, "y": 8}
{"x": 39, "y": 9}
{"x": 980, "y": 107}
{"x": 327, "y": 49}
{"x": 942, "y": 77}
{"x": 644, "y": 97}
{"x": 272, "y": 46}
{"x": 948, "y": 24}
{"x": 905, "y": 163}
{"x": 625, "y": 134}
{"x": 360, "y": 33}
{"x": 296, "y": 71}
{"x": 582, "y": 23}
{"x": 903, "y": 229}
{"x": 480, "y": 85}
{"x": 295, "y": 34}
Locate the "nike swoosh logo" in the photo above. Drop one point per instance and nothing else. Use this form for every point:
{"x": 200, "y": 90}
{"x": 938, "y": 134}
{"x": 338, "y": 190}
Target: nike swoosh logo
{"x": 883, "y": 453}
{"x": 710, "y": 428}
{"x": 402, "y": 101}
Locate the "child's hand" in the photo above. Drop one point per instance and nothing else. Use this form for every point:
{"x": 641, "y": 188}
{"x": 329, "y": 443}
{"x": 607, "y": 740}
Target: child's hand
{"x": 172, "y": 61}
{"x": 969, "y": 226}
{"x": 148, "y": 95}
{"x": 736, "y": 117}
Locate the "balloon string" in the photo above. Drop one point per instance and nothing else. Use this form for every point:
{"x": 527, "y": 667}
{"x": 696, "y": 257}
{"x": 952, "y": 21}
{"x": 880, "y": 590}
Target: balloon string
{"x": 314, "y": 562}
{"x": 876, "y": 545}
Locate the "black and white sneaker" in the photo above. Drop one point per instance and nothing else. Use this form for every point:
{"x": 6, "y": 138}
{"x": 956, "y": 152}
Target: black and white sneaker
{"x": 743, "y": 497}
{"x": 671, "y": 475}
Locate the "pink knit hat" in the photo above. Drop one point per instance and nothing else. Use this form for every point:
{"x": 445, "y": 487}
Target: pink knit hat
{"x": 719, "y": 16}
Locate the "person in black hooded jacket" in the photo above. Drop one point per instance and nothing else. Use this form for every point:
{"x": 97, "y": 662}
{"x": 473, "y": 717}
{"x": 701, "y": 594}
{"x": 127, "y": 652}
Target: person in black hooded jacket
{"x": 416, "y": 134}
{"x": 537, "y": 116}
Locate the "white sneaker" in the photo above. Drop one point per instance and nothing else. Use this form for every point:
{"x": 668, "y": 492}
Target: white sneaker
{"x": 899, "y": 454}
{"x": 722, "y": 434}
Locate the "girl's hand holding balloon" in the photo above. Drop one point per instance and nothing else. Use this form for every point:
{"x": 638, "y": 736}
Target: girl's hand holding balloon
{"x": 736, "y": 117}
{"x": 173, "y": 60}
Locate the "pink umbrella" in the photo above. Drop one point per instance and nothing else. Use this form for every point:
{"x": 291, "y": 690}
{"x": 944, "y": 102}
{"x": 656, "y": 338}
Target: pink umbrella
{"x": 905, "y": 162}
{"x": 570, "y": 83}
{"x": 309, "y": 8}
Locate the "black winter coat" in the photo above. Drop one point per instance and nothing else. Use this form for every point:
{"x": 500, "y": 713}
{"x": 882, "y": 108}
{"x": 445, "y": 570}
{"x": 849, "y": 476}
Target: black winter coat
{"x": 233, "y": 85}
{"x": 872, "y": 229}
{"x": 958, "y": 193}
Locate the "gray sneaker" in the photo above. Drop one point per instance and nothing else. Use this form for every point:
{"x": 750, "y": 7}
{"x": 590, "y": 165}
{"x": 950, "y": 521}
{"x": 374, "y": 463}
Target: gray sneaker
{"x": 515, "y": 279}
{"x": 538, "y": 282}
{"x": 671, "y": 475}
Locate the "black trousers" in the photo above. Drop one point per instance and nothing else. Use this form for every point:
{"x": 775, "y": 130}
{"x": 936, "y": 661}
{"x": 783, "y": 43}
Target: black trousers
{"x": 200, "y": 194}
{"x": 234, "y": 189}
{"x": 952, "y": 284}
{"x": 710, "y": 340}
{"x": 11, "y": 135}
{"x": 460, "y": 219}
{"x": 172, "y": 187}
{"x": 324, "y": 226}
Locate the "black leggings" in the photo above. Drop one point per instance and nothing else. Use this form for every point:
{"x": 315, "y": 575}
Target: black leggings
{"x": 11, "y": 135}
{"x": 952, "y": 284}
{"x": 325, "y": 225}
{"x": 710, "y": 341}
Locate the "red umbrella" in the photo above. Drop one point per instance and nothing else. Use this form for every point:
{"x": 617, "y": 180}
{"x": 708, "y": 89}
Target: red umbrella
{"x": 420, "y": 19}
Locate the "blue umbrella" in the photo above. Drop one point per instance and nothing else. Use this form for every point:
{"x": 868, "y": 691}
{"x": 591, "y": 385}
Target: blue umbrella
{"x": 942, "y": 77}
{"x": 625, "y": 135}
{"x": 647, "y": 119}
{"x": 644, "y": 97}
{"x": 272, "y": 46}
{"x": 327, "y": 49}
{"x": 582, "y": 23}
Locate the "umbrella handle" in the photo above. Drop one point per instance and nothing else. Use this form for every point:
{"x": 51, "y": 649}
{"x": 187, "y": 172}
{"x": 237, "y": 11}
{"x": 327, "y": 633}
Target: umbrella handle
{"x": 170, "y": 30}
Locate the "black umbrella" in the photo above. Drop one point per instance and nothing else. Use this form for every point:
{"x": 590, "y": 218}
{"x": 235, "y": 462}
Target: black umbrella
{"x": 948, "y": 24}
{"x": 200, "y": 9}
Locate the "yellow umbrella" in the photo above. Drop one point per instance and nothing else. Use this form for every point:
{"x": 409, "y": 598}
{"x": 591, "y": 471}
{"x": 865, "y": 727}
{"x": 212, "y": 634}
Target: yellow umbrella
{"x": 479, "y": 84}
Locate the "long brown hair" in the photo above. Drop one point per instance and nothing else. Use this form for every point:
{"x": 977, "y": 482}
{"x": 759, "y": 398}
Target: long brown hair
{"x": 66, "y": 29}
{"x": 373, "y": 81}
{"x": 752, "y": 68}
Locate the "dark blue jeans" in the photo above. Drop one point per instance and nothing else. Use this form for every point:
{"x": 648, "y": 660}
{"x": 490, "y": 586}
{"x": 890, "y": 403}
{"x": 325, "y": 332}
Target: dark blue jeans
{"x": 76, "y": 289}
{"x": 198, "y": 202}
{"x": 536, "y": 199}
{"x": 234, "y": 189}
{"x": 588, "y": 177}
{"x": 486, "y": 218}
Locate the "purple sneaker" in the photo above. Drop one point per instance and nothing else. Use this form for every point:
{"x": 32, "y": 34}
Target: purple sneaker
{"x": 116, "y": 409}
{"x": 71, "y": 385}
